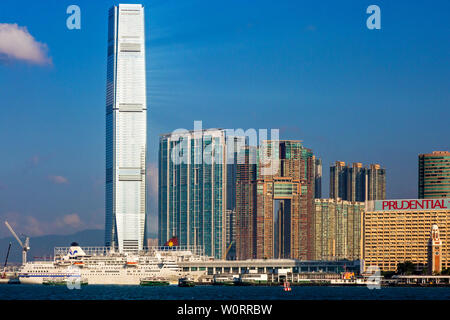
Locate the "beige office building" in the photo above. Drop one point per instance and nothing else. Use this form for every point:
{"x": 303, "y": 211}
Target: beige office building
{"x": 396, "y": 231}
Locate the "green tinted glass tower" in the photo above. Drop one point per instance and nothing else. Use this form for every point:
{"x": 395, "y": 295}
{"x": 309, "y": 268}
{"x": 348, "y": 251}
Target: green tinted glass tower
{"x": 193, "y": 190}
{"x": 434, "y": 175}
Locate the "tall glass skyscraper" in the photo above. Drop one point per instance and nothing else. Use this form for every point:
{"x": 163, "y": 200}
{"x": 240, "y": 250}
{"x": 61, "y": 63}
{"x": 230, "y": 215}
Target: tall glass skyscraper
{"x": 193, "y": 190}
{"x": 434, "y": 175}
{"x": 126, "y": 129}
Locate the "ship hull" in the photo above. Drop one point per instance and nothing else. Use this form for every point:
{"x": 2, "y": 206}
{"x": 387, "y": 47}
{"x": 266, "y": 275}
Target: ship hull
{"x": 33, "y": 280}
{"x": 94, "y": 266}
{"x": 99, "y": 280}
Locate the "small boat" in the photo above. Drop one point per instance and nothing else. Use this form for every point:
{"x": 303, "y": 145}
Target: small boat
{"x": 287, "y": 286}
{"x": 154, "y": 282}
{"x": 222, "y": 283}
{"x": 185, "y": 282}
{"x": 239, "y": 282}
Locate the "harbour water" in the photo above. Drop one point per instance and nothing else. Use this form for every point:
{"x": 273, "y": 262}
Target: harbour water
{"x": 104, "y": 292}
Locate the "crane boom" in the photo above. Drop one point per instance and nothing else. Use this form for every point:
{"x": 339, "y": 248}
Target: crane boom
{"x": 6, "y": 262}
{"x": 25, "y": 247}
{"x": 13, "y": 233}
{"x": 7, "y": 255}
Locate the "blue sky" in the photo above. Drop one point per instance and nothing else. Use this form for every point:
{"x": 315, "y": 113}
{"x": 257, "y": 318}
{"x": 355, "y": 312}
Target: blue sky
{"x": 313, "y": 70}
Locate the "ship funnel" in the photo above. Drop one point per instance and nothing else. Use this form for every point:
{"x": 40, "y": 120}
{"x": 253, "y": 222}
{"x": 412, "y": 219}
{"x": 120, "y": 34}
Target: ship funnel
{"x": 75, "y": 251}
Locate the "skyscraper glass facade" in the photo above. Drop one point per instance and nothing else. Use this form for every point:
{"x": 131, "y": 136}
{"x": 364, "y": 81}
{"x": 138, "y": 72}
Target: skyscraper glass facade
{"x": 434, "y": 175}
{"x": 193, "y": 190}
{"x": 126, "y": 129}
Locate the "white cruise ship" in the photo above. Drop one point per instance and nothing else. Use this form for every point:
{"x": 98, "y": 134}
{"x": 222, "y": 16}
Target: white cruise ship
{"x": 101, "y": 265}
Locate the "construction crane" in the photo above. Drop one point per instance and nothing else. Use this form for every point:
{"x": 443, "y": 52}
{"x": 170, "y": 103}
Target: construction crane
{"x": 6, "y": 262}
{"x": 25, "y": 247}
{"x": 228, "y": 250}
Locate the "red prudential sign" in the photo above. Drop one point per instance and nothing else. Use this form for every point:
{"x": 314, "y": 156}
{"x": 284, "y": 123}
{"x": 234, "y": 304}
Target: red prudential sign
{"x": 412, "y": 204}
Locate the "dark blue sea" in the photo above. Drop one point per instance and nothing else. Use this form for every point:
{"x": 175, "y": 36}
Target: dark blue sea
{"x": 99, "y": 292}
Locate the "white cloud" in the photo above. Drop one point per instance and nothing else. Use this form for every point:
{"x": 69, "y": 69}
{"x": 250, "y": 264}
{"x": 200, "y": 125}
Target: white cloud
{"x": 72, "y": 220}
{"x": 32, "y": 226}
{"x": 22, "y": 224}
{"x": 58, "y": 179}
{"x": 16, "y": 43}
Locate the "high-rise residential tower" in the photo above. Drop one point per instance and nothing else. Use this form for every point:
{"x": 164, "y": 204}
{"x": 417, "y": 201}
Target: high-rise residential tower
{"x": 434, "y": 175}
{"x": 337, "y": 229}
{"x": 126, "y": 129}
{"x": 349, "y": 183}
{"x": 356, "y": 177}
{"x": 376, "y": 183}
{"x": 245, "y": 204}
{"x": 338, "y": 180}
{"x": 275, "y": 207}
